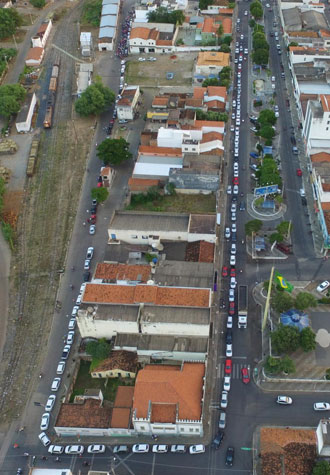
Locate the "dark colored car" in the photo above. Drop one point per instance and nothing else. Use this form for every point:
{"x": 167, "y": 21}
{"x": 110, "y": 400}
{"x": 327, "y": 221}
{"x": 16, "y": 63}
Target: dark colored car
{"x": 230, "y": 456}
{"x": 242, "y": 206}
{"x": 229, "y": 337}
{"x": 284, "y": 248}
{"x": 93, "y": 209}
{"x": 303, "y": 201}
{"x": 293, "y": 140}
{"x": 217, "y": 440}
{"x": 86, "y": 276}
{"x": 231, "y": 308}
{"x": 233, "y": 237}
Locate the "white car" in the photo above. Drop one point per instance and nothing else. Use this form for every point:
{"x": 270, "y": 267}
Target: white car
{"x": 233, "y": 228}
{"x": 140, "y": 448}
{"x": 233, "y": 260}
{"x": 322, "y": 287}
{"x": 233, "y": 283}
{"x": 227, "y": 233}
{"x": 231, "y": 295}
{"x": 229, "y": 190}
{"x": 56, "y": 449}
{"x": 242, "y": 37}
{"x": 78, "y": 301}
{"x": 50, "y": 403}
{"x": 233, "y": 207}
{"x": 235, "y": 191}
{"x": 239, "y": 74}
{"x": 74, "y": 449}
{"x": 141, "y": 59}
{"x": 233, "y": 215}
{"x": 178, "y": 449}
{"x": 224, "y": 399}
{"x": 229, "y": 321}
{"x": 229, "y": 351}
{"x": 234, "y": 103}
{"x": 92, "y": 229}
{"x": 233, "y": 248}
{"x": 226, "y": 383}
{"x": 246, "y": 13}
{"x": 56, "y": 384}
{"x": 87, "y": 264}
{"x": 232, "y": 128}
{"x": 70, "y": 337}
{"x": 160, "y": 449}
{"x": 321, "y": 406}
{"x": 72, "y": 324}
{"x": 66, "y": 351}
{"x": 285, "y": 400}
{"x": 246, "y": 51}
{"x": 236, "y": 50}
{"x": 197, "y": 449}
{"x": 44, "y": 439}
{"x": 74, "y": 311}
{"x": 233, "y": 116}
{"x": 60, "y": 367}
{"x": 45, "y": 418}
{"x": 96, "y": 449}
{"x": 90, "y": 253}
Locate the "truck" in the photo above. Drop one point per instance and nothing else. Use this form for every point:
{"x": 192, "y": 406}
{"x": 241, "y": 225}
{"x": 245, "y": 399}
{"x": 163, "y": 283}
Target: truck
{"x": 242, "y": 306}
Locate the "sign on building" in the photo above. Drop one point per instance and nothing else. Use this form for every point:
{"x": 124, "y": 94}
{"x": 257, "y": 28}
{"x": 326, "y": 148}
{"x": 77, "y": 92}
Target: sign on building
{"x": 266, "y": 190}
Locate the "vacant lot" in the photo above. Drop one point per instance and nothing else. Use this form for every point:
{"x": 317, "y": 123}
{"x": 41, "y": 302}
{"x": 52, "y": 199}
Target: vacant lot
{"x": 179, "y": 204}
{"x": 153, "y": 73}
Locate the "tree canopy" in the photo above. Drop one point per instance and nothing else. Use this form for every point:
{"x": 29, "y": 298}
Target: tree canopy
{"x": 94, "y": 100}
{"x": 305, "y": 300}
{"x": 322, "y": 467}
{"x": 267, "y": 117}
{"x": 277, "y": 365}
{"x": 260, "y": 56}
{"x": 162, "y": 15}
{"x": 307, "y": 339}
{"x": 9, "y": 21}
{"x": 11, "y": 98}
{"x": 38, "y": 3}
{"x": 285, "y": 339}
{"x": 113, "y": 151}
{"x": 283, "y": 227}
{"x": 253, "y": 226}
{"x": 98, "y": 349}
{"x": 282, "y": 301}
{"x": 203, "y": 4}
{"x": 256, "y": 10}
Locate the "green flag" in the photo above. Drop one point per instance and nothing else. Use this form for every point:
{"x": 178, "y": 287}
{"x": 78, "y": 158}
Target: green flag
{"x": 283, "y": 282}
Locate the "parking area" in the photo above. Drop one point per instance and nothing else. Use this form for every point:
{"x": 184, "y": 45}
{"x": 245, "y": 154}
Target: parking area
{"x": 144, "y": 73}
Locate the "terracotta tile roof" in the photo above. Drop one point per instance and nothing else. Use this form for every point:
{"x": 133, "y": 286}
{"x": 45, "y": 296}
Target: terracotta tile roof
{"x": 217, "y": 91}
{"x": 325, "y": 33}
{"x": 226, "y": 11}
{"x": 106, "y": 170}
{"x": 194, "y": 102}
{"x": 124, "y": 396}
{"x": 109, "y": 271}
{"x": 227, "y": 26}
{"x": 215, "y": 105}
{"x": 170, "y": 386}
{"x": 320, "y": 157}
{"x": 212, "y": 58}
{"x": 121, "y": 418}
{"x": 164, "y": 42}
{"x": 306, "y": 49}
{"x": 90, "y": 413}
{"x": 303, "y": 34}
{"x": 160, "y": 101}
{"x": 35, "y": 53}
{"x": 163, "y": 413}
{"x": 211, "y": 136}
{"x": 141, "y": 184}
{"x": 165, "y": 151}
{"x": 199, "y": 251}
{"x": 136, "y": 294}
{"x": 143, "y": 33}
{"x": 199, "y": 92}
{"x": 208, "y": 26}
{"x": 118, "y": 359}
{"x": 209, "y": 123}
{"x": 325, "y": 187}
{"x": 325, "y": 101}
{"x": 42, "y": 28}
{"x": 153, "y": 34}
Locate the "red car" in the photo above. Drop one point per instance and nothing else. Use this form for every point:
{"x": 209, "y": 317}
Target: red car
{"x": 299, "y": 172}
{"x": 99, "y": 185}
{"x": 245, "y": 376}
{"x": 233, "y": 272}
{"x": 231, "y": 308}
{"x": 92, "y": 219}
{"x": 228, "y": 366}
{"x": 225, "y": 271}
{"x": 235, "y": 180}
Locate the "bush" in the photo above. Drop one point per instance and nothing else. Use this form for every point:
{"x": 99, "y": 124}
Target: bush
{"x": 38, "y": 3}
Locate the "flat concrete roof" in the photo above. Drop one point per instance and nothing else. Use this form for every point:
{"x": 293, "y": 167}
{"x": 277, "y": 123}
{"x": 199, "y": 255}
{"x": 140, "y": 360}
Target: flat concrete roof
{"x": 141, "y": 221}
{"x": 184, "y": 274}
{"x": 110, "y": 312}
{"x": 152, "y": 313}
{"x": 161, "y": 343}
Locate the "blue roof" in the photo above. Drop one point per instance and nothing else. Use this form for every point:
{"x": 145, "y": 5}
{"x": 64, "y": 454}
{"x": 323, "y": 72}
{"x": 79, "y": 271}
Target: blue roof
{"x": 107, "y": 32}
{"x": 295, "y": 318}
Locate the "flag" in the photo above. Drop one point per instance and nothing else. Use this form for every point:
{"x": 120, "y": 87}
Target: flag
{"x": 283, "y": 282}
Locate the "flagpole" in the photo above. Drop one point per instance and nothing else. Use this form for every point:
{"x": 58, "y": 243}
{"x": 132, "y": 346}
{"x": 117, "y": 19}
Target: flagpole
{"x": 268, "y": 299}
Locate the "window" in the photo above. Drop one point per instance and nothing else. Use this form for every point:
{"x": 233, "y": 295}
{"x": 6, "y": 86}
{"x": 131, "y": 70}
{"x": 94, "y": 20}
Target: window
{"x": 100, "y": 375}
{"x": 182, "y": 429}
{"x": 327, "y": 128}
{"x": 128, "y": 375}
{"x": 144, "y": 237}
{"x": 134, "y": 236}
{"x": 191, "y": 429}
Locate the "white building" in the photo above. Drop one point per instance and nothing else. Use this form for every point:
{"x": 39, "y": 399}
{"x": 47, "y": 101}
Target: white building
{"x": 42, "y": 34}
{"x": 86, "y": 43}
{"x": 24, "y": 117}
{"x": 128, "y": 102}
{"x": 84, "y": 77}
{"x": 317, "y": 122}
{"x": 152, "y": 37}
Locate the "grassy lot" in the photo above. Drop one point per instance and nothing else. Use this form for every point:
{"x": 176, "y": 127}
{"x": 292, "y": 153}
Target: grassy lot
{"x": 179, "y": 204}
{"x": 150, "y": 73}
{"x": 85, "y": 381}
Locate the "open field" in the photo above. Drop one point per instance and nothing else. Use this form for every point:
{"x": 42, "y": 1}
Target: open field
{"x": 179, "y": 204}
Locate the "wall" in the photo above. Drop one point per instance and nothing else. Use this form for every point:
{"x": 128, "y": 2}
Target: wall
{"x": 104, "y": 44}
{"x": 26, "y": 126}
{"x": 173, "y": 328}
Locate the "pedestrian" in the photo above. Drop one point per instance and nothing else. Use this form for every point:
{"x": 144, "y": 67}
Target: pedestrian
{"x": 84, "y": 224}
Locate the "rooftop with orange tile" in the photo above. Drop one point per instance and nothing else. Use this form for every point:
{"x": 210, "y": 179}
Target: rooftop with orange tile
{"x": 116, "y": 271}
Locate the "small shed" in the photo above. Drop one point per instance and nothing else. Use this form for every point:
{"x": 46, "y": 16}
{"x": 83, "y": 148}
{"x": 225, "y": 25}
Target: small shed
{"x": 24, "y": 117}
{"x": 34, "y": 56}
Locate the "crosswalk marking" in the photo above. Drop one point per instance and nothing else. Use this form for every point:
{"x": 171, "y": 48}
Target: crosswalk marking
{"x": 236, "y": 370}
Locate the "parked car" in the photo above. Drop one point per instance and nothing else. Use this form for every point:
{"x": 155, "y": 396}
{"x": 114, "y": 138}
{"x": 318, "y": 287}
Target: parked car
{"x": 74, "y": 449}
{"x": 140, "y": 448}
{"x": 322, "y": 287}
{"x": 50, "y": 403}
{"x": 178, "y": 449}
{"x": 90, "y": 253}
{"x": 226, "y": 383}
{"x": 56, "y": 449}
{"x": 44, "y": 439}
{"x": 96, "y": 449}
{"x": 321, "y": 406}
{"x": 229, "y": 336}
{"x": 60, "y": 367}
{"x": 229, "y": 321}
{"x": 217, "y": 440}
{"x": 70, "y": 337}
{"x": 229, "y": 350}
{"x": 197, "y": 449}
{"x": 285, "y": 400}
{"x": 284, "y": 248}
{"x": 56, "y": 384}
{"x": 72, "y": 324}
{"x": 160, "y": 449}
{"x": 222, "y": 420}
{"x": 224, "y": 271}
{"x": 224, "y": 400}
{"x": 45, "y": 418}
{"x": 228, "y": 366}
{"x": 120, "y": 449}
{"x": 230, "y": 457}
{"x": 92, "y": 229}
{"x": 66, "y": 351}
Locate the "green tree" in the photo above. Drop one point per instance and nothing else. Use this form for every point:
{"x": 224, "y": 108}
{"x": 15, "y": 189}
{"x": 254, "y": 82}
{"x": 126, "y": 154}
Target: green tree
{"x": 307, "y": 339}
{"x": 162, "y": 15}
{"x": 253, "y": 226}
{"x": 225, "y": 48}
{"x": 285, "y": 338}
{"x": 99, "y": 194}
{"x": 8, "y": 234}
{"x": 287, "y": 365}
{"x": 256, "y": 10}
{"x": 11, "y": 98}
{"x": 293, "y": 43}
{"x": 38, "y": 3}
{"x": 278, "y": 237}
{"x": 211, "y": 82}
{"x": 226, "y": 40}
{"x": 260, "y": 56}
{"x": 203, "y": 4}
{"x": 258, "y": 27}
{"x": 282, "y": 301}
{"x": 283, "y": 227}
{"x": 305, "y": 300}
{"x": 114, "y": 151}
{"x": 92, "y": 12}
{"x": 220, "y": 30}
{"x": 252, "y": 23}
{"x": 94, "y": 100}
{"x": 9, "y": 21}
{"x": 322, "y": 467}
{"x": 266, "y": 132}
{"x": 273, "y": 365}
{"x": 267, "y": 117}
{"x": 260, "y": 43}
{"x": 178, "y": 17}
{"x": 99, "y": 350}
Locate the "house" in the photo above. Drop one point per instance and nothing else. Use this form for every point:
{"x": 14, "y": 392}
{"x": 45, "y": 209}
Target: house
{"x": 163, "y": 348}
{"x": 214, "y": 97}
{"x": 142, "y": 185}
{"x": 317, "y": 123}
{"x": 84, "y": 77}
{"x": 107, "y": 175}
{"x": 169, "y": 400}
{"x": 152, "y": 228}
{"x": 152, "y": 37}
{"x": 120, "y": 364}
{"x": 323, "y": 438}
{"x": 209, "y": 64}
{"x": 42, "y": 34}
{"x": 34, "y": 56}
{"x": 24, "y": 117}
{"x": 127, "y": 104}
{"x": 114, "y": 272}
{"x": 106, "y": 39}
{"x": 86, "y": 43}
